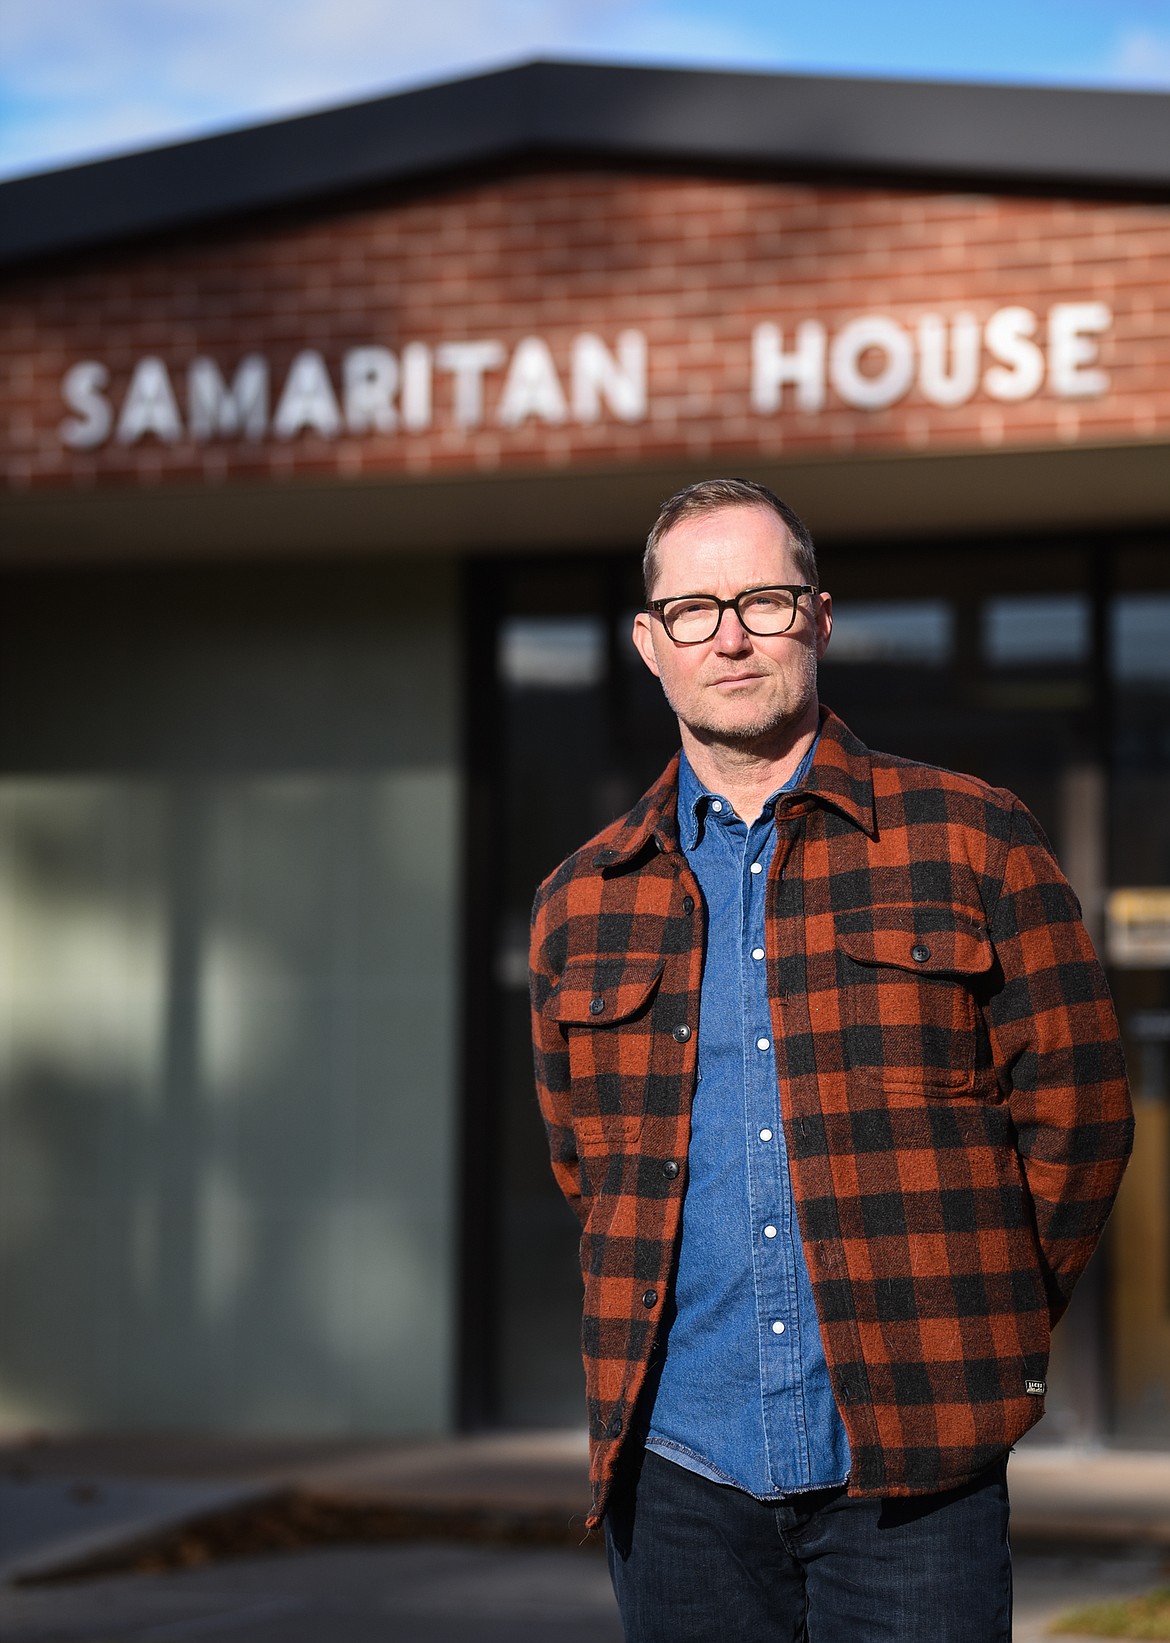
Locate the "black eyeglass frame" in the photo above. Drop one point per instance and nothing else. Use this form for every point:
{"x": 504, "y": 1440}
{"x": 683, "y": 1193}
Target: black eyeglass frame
{"x": 657, "y": 607}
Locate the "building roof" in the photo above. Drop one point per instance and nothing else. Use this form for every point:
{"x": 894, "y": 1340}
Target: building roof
{"x": 1007, "y": 136}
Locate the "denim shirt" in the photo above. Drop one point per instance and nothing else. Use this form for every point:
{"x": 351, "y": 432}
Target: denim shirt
{"x": 743, "y": 1395}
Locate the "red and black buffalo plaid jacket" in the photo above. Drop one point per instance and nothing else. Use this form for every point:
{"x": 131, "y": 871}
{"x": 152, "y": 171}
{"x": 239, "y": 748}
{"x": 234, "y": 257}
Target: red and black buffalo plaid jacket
{"x": 951, "y": 1081}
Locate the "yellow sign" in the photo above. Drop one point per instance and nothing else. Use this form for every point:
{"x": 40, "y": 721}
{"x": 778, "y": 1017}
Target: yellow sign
{"x": 1137, "y": 928}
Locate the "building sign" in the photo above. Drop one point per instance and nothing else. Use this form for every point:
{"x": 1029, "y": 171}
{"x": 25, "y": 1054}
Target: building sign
{"x": 869, "y": 363}
{"x": 1137, "y": 928}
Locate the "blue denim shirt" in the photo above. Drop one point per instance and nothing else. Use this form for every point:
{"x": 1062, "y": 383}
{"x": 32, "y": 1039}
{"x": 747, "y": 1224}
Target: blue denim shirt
{"x": 743, "y": 1395}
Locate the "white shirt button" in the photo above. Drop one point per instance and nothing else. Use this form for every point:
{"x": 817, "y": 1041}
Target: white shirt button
{"x": 769, "y": 1232}
{"x": 777, "y": 1328}
{"x": 717, "y": 805}
{"x": 763, "y": 1043}
{"x": 757, "y": 952}
{"x": 757, "y": 867}
{"x": 765, "y": 1135}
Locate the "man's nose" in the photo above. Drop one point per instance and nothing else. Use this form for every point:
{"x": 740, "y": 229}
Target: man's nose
{"x": 731, "y": 635}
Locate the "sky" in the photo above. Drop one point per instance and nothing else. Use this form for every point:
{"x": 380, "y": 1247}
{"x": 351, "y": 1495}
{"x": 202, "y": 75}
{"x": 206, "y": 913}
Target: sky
{"x": 80, "y": 79}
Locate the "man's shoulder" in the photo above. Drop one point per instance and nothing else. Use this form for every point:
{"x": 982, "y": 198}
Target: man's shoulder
{"x": 848, "y": 772}
{"x": 620, "y": 838}
{"x": 894, "y": 773}
{"x": 934, "y": 802}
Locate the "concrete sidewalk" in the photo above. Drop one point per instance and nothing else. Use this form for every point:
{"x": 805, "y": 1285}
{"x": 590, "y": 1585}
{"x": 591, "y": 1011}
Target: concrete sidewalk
{"x": 1086, "y": 1524}
{"x": 66, "y": 1501}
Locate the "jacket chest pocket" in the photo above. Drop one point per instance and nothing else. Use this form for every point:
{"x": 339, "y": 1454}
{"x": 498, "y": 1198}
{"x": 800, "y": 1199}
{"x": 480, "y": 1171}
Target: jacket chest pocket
{"x": 907, "y": 977}
{"x": 604, "y": 1008}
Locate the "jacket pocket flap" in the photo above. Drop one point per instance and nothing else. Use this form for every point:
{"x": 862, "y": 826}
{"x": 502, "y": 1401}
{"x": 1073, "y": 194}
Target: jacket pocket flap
{"x": 597, "y": 1133}
{"x": 924, "y": 940}
{"x": 596, "y": 992}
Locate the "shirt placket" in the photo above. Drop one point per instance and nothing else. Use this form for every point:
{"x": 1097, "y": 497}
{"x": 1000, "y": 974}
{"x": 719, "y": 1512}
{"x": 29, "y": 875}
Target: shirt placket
{"x": 769, "y": 1196}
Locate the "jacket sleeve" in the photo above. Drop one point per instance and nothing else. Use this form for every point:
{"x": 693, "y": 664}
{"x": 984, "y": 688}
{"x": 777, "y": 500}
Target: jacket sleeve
{"x": 549, "y": 1047}
{"x": 1058, "y": 1054}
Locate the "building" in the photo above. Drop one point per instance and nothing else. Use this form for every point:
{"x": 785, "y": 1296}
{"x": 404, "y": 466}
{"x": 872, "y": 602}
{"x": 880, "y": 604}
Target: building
{"x": 330, "y": 446}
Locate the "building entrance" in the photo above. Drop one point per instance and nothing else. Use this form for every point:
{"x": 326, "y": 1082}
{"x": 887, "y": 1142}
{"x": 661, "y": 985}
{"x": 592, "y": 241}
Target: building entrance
{"x": 1042, "y": 665}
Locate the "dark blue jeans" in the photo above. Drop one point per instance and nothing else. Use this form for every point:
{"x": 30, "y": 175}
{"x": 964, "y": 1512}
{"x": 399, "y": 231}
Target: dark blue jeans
{"x": 696, "y": 1562}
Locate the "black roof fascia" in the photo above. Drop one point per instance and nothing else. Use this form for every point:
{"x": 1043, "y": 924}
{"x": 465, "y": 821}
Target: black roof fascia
{"x": 918, "y": 129}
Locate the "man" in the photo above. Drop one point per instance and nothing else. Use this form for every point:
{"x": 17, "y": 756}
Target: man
{"x": 831, "y": 1077}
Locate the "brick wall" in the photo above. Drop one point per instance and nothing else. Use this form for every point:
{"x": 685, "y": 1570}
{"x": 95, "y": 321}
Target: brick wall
{"x": 689, "y": 269}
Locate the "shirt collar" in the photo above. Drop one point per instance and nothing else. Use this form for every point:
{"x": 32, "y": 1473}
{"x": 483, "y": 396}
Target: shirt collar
{"x": 694, "y": 799}
{"x": 841, "y": 776}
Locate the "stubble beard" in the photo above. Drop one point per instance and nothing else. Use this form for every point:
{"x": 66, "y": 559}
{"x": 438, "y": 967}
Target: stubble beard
{"x": 781, "y": 713}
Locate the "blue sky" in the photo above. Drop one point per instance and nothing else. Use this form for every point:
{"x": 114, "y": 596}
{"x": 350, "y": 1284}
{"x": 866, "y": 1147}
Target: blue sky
{"x": 82, "y": 78}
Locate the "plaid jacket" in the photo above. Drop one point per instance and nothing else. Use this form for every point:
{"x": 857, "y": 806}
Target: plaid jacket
{"x": 952, "y": 1085}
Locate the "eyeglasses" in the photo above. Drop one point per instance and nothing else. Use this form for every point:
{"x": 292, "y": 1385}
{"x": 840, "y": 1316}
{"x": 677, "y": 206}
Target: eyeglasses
{"x": 693, "y": 618}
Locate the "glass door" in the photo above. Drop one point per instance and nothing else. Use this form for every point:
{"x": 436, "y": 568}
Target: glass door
{"x": 1017, "y": 661}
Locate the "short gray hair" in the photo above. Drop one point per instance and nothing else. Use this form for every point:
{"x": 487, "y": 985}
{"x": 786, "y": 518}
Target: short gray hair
{"x": 712, "y": 495}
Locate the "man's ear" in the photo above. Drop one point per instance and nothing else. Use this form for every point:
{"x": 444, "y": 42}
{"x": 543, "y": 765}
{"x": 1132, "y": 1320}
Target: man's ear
{"x": 824, "y": 621}
{"x": 643, "y": 639}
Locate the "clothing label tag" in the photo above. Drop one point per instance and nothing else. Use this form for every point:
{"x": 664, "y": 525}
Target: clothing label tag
{"x": 1035, "y": 1389}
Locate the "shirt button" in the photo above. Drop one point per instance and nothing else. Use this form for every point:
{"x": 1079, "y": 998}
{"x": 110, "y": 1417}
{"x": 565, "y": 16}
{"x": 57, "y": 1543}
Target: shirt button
{"x": 757, "y": 867}
{"x": 670, "y": 1169}
{"x": 717, "y": 805}
{"x": 765, "y": 1135}
{"x": 596, "y": 1005}
{"x": 920, "y": 954}
{"x": 757, "y": 952}
{"x": 688, "y": 904}
{"x": 650, "y": 1298}
{"x": 777, "y": 1328}
{"x": 763, "y": 1043}
{"x": 769, "y": 1232}
{"x": 681, "y": 1034}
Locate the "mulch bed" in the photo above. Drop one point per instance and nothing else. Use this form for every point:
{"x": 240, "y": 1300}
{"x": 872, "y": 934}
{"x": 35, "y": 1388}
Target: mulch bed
{"x": 297, "y": 1521}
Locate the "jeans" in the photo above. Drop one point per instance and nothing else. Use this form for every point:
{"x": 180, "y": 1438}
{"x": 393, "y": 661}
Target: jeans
{"x": 697, "y": 1562}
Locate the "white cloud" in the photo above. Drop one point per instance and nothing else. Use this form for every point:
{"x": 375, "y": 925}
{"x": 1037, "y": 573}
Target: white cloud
{"x": 105, "y": 74}
{"x": 1141, "y": 58}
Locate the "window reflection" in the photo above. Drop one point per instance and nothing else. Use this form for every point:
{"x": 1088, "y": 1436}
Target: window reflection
{"x": 1141, "y": 638}
{"x": 1036, "y": 630}
{"x": 552, "y": 652}
{"x": 919, "y": 631}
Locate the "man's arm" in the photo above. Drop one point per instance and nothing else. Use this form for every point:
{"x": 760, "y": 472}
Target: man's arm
{"x": 1058, "y": 1054}
{"x": 550, "y": 1051}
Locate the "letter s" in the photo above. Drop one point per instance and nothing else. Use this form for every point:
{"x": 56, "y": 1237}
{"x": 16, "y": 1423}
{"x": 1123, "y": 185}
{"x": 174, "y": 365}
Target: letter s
{"x": 82, "y": 392}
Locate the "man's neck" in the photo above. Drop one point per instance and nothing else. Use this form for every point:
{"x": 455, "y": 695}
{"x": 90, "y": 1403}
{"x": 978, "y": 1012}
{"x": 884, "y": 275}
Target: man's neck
{"x": 749, "y": 773}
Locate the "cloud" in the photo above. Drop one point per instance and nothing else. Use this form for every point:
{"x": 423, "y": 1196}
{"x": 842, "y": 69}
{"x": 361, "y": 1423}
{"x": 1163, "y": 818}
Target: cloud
{"x": 1141, "y": 58}
{"x": 88, "y": 78}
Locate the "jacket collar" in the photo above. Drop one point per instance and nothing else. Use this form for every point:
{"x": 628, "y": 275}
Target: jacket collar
{"x": 841, "y": 776}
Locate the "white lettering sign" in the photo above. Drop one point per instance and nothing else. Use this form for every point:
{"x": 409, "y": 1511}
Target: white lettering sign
{"x": 532, "y": 387}
{"x": 308, "y": 400}
{"x": 871, "y": 390}
{"x": 83, "y": 392}
{"x": 150, "y": 406}
{"x": 874, "y": 361}
{"x": 370, "y": 376}
{"x": 598, "y": 377}
{"x": 1020, "y": 371}
{"x": 215, "y": 410}
{"x": 1072, "y": 352}
{"x": 870, "y": 363}
{"x": 803, "y": 367}
{"x": 948, "y": 358}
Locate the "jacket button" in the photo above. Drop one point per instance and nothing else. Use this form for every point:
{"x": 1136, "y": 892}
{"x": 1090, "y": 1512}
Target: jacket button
{"x": 614, "y": 1429}
{"x": 681, "y": 1034}
{"x": 650, "y": 1298}
{"x": 596, "y": 1005}
{"x": 688, "y": 904}
{"x": 670, "y": 1169}
{"x": 920, "y": 954}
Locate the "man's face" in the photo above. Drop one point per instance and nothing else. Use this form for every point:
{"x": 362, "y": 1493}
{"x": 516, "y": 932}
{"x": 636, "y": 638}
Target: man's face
{"x": 736, "y": 688}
